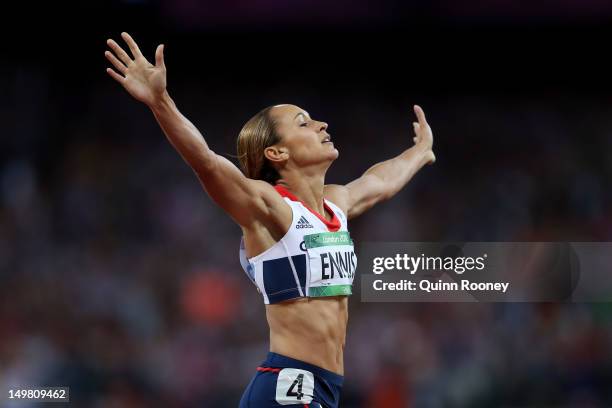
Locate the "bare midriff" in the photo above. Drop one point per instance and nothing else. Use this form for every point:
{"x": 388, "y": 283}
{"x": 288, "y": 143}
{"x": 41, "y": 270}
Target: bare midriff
{"x": 312, "y": 330}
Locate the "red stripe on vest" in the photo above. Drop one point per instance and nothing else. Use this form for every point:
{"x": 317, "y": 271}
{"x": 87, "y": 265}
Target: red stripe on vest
{"x": 274, "y": 370}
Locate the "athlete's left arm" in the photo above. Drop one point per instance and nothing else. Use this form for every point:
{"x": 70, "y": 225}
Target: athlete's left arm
{"x": 383, "y": 180}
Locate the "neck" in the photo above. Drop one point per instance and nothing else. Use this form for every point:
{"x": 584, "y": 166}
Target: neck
{"x": 309, "y": 189}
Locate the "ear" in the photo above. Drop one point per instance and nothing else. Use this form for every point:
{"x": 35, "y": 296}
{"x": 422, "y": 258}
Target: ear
{"x": 276, "y": 154}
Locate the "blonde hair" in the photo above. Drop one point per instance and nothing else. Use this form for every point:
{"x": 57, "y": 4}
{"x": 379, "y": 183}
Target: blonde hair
{"x": 256, "y": 135}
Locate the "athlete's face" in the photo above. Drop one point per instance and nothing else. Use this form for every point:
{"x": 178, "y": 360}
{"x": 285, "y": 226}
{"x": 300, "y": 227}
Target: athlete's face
{"x": 305, "y": 140}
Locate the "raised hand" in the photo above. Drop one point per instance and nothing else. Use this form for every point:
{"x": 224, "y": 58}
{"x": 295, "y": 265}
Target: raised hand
{"x": 423, "y": 134}
{"x": 144, "y": 81}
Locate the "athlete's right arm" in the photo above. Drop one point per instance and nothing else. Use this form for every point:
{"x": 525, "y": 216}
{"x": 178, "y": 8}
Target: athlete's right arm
{"x": 246, "y": 201}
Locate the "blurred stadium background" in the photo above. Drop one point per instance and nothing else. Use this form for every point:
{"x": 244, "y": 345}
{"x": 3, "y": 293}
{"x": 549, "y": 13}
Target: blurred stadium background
{"x": 120, "y": 278}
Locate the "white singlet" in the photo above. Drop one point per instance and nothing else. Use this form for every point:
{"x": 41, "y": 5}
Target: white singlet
{"x": 315, "y": 258}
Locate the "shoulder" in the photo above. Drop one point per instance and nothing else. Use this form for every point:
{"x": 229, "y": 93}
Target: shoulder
{"x": 268, "y": 193}
{"x": 273, "y": 211}
{"x": 338, "y": 195}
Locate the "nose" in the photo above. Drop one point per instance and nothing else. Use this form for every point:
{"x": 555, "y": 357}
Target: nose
{"x": 323, "y": 126}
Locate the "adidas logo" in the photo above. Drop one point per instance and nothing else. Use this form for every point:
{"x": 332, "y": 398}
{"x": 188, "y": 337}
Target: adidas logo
{"x": 303, "y": 223}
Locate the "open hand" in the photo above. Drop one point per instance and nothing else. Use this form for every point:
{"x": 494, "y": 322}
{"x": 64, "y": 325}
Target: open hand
{"x": 144, "y": 81}
{"x": 424, "y": 135}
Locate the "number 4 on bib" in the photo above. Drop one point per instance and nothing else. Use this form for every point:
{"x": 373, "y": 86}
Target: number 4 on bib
{"x": 297, "y": 383}
{"x": 294, "y": 386}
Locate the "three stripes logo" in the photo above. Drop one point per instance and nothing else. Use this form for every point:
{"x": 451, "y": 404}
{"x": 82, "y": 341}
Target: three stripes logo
{"x": 303, "y": 223}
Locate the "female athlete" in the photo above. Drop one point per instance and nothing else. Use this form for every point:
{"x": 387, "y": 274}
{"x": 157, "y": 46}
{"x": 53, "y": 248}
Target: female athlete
{"x": 296, "y": 246}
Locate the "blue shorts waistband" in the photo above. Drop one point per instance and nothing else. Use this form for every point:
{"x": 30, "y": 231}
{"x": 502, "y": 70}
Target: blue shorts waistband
{"x": 280, "y": 361}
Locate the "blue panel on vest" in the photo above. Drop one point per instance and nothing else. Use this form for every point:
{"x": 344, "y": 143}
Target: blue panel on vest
{"x": 279, "y": 282}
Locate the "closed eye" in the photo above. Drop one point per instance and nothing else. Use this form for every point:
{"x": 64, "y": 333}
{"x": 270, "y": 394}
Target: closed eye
{"x": 304, "y": 124}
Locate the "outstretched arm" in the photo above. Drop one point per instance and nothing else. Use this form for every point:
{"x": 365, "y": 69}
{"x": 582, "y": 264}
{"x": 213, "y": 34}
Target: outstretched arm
{"x": 383, "y": 180}
{"x": 244, "y": 199}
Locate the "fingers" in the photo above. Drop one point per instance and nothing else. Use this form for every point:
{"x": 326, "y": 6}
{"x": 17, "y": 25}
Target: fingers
{"x": 115, "y": 75}
{"x": 117, "y": 64}
{"x": 159, "y": 56}
{"x": 132, "y": 44}
{"x": 119, "y": 52}
{"x": 420, "y": 115}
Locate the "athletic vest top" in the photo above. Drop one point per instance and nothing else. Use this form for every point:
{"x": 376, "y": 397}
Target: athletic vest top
{"x": 315, "y": 258}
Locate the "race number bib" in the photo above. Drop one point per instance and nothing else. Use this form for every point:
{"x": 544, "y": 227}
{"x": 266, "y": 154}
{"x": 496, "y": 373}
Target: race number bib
{"x": 332, "y": 263}
{"x": 294, "y": 386}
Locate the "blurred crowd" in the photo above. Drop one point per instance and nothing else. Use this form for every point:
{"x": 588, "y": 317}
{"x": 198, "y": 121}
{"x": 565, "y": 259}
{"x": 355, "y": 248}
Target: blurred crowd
{"x": 120, "y": 278}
